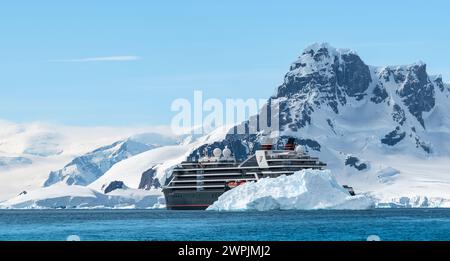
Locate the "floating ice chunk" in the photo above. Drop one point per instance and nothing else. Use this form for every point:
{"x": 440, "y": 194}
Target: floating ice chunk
{"x": 306, "y": 189}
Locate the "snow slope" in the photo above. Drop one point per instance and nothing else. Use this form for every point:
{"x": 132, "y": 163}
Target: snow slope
{"x": 27, "y": 177}
{"x": 160, "y": 161}
{"x": 130, "y": 171}
{"x": 64, "y": 196}
{"x": 88, "y": 167}
{"x": 306, "y": 189}
{"x": 29, "y": 152}
{"x": 41, "y": 139}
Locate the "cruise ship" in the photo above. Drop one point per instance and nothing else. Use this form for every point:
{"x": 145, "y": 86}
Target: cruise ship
{"x": 197, "y": 183}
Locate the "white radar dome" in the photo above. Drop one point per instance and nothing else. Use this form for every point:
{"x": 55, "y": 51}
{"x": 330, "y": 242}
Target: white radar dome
{"x": 217, "y": 152}
{"x": 226, "y": 152}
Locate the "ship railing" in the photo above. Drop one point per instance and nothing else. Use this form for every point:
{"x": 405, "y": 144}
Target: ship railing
{"x": 212, "y": 180}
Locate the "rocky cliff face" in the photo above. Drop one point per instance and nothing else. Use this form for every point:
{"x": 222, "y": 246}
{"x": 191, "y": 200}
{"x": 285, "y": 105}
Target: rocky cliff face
{"x": 325, "y": 76}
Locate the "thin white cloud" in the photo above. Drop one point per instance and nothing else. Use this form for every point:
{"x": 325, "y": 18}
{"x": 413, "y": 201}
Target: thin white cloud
{"x": 388, "y": 44}
{"x": 125, "y": 58}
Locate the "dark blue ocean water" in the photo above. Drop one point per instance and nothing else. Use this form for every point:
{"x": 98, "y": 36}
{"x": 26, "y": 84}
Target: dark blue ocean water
{"x": 388, "y": 224}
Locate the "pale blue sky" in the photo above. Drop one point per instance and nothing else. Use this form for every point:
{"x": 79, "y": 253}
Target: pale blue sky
{"x": 53, "y": 66}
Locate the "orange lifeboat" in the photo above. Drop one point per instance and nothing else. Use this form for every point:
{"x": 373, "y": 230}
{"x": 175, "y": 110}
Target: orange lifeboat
{"x": 232, "y": 184}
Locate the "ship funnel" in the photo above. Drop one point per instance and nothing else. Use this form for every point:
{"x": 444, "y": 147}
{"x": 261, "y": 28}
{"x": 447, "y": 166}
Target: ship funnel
{"x": 266, "y": 143}
{"x": 290, "y": 144}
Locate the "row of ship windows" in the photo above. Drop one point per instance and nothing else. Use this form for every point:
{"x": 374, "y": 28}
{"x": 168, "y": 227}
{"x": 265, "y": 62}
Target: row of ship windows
{"x": 195, "y": 196}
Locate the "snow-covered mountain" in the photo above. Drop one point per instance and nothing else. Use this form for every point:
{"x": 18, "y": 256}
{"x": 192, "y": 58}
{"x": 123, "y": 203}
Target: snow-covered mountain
{"x": 30, "y": 151}
{"x": 133, "y": 182}
{"x": 384, "y": 130}
{"x": 85, "y": 169}
{"x": 149, "y": 170}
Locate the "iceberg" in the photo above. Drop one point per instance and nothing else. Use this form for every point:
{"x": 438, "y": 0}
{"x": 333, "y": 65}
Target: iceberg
{"x": 305, "y": 189}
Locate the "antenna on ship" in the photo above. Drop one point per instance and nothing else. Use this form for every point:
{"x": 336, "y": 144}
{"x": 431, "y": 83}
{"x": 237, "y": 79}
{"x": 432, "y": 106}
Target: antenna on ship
{"x": 251, "y": 146}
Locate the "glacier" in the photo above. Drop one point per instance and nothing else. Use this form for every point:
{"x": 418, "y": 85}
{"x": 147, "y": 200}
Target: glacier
{"x": 63, "y": 196}
{"x": 30, "y": 151}
{"x": 305, "y": 190}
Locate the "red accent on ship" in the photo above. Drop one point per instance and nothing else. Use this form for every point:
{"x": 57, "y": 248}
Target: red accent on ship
{"x": 266, "y": 147}
{"x": 290, "y": 145}
{"x": 233, "y": 184}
